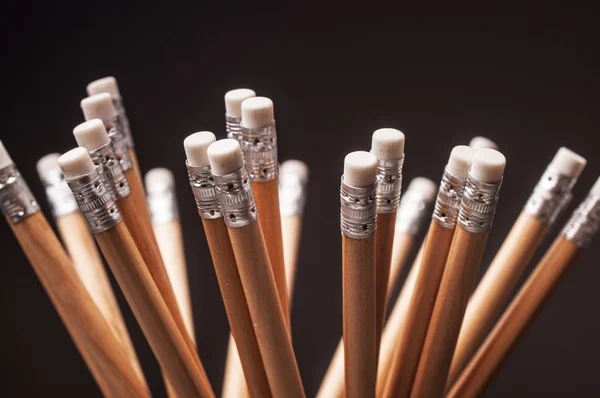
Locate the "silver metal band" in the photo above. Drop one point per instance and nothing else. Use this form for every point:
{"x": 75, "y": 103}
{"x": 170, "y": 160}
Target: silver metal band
{"x": 292, "y": 195}
{"x": 110, "y": 170}
{"x": 123, "y": 121}
{"x": 447, "y": 203}
{"x": 584, "y": 222}
{"x": 162, "y": 203}
{"x": 389, "y": 184}
{"x": 204, "y": 190}
{"x": 413, "y": 210}
{"x": 59, "y": 194}
{"x": 16, "y": 200}
{"x": 95, "y": 202}
{"x": 547, "y": 199}
{"x": 236, "y": 198}
{"x": 120, "y": 145}
{"x": 478, "y": 205}
{"x": 260, "y": 152}
{"x": 358, "y": 210}
{"x": 233, "y": 128}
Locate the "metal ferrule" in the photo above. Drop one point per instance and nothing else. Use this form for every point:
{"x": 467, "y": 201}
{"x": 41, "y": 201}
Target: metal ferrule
{"x": 204, "y": 190}
{"x": 162, "y": 204}
{"x": 447, "y": 203}
{"x": 412, "y": 212}
{"x": 236, "y": 198}
{"x": 120, "y": 145}
{"x": 260, "y": 152}
{"x": 565, "y": 202}
{"x": 548, "y": 197}
{"x": 584, "y": 222}
{"x": 292, "y": 195}
{"x": 233, "y": 128}
{"x": 358, "y": 210}
{"x": 123, "y": 121}
{"x": 59, "y": 194}
{"x": 95, "y": 202}
{"x": 389, "y": 184}
{"x": 110, "y": 170}
{"x": 478, "y": 205}
{"x": 16, "y": 200}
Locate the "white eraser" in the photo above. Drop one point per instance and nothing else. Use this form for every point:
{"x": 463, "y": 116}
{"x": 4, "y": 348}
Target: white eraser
{"x": 76, "y": 163}
{"x": 257, "y": 112}
{"x": 460, "y": 161}
{"x": 568, "y": 163}
{"x": 48, "y": 165}
{"x": 91, "y": 134}
{"x": 234, "y": 99}
{"x": 105, "y": 85}
{"x": 294, "y": 168}
{"x": 482, "y": 142}
{"x": 424, "y": 187}
{"x": 99, "y": 106}
{"x": 5, "y": 159}
{"x": 488, "y": 165}
{"x": 387, "y": 144}
{"x": 195, "y": 147}
{"x": 225, "y": 156}
{"x": 159, "y": 179}
{"x": 596, "y": 188}
{"x": 360, "y": 169}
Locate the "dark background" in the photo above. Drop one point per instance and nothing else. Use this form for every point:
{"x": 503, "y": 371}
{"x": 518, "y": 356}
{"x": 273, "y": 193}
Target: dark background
{"x": 530, "y": 82}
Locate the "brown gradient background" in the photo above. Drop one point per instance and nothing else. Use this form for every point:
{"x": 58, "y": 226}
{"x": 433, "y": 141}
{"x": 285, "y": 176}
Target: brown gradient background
{"x": 529, "y": 82}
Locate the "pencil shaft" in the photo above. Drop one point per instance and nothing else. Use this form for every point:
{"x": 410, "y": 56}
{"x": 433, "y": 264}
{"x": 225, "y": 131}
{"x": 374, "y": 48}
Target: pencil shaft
{"x": 402, "y": 246}
{"x": 291, "y": 229}
{"x": 234, "y": 381}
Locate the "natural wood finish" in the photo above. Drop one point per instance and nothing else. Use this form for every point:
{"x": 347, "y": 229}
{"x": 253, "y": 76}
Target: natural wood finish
{"x": 384, "y": 243}
{"x": 358, "y": 288}
{"x": 136, "y": 164}
{"x": 291, "y": 227}
{"x": 166, "y": 340}
{"x": 234, "y": 382}
{"x": 403, "y": 244}
{"x": 95, "y": 339}
{"x": 495, "y": 288}
{"x": 516, "y": 319}
{"x": 236, "y": 306}
{"x": 82, "y": 249}
{"x": 267, "y": 203}
{"x": 450, "y": 305}
{"x": 170, "y": 242}
{"x": 406, "y": 355}
{"x": 266, "y": 311}
{"x": 396, "y": 324}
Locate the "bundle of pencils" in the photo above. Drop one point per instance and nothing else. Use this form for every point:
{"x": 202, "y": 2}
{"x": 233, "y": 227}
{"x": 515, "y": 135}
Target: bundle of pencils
{"x": 445, "y": 336}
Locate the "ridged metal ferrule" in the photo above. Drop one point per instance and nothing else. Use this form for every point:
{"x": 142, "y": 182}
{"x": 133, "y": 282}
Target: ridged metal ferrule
{"x": 584, "y": 222}
{"x": 162, "y": 204}
{"x": 413, "y": 211}
{"x": 478, "y": 205}
{"x": 548, "y": 197}
{"x": 358, "y": 210}
{"x": 110, "y": 170}
{"x": 123, "y": 121}
{"x": 260, "y": 152}
{"x": 120, "y": 145}
{"x": 95, "y": 202}
{"x": 447, "y": 203}
{"x": 16, "y": 200}
{"x": 59, "y": 194}
{"x": 236, "y": 198}
{"x": 292, "y": 195}
{"x": 204, "y": 190}
{"x": 389, "y": 184}
{"x": 233, "y": 128}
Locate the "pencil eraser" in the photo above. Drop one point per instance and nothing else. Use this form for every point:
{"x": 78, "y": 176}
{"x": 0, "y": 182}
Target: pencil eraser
{"x": 47, "y": 165}
{"x": 424, "y": 187}
{"x": 387, "y": 144}
{"x": 257, "y": 112}
{"x": 481, "y": 142}
{"x": 488, "y": 165}
{"x": 234, "y": 99}
{"x": 91, "y": 134}
{"x": 99, "y": 106}
{"x": 196, "y": 146}
{"x": 568, "y": 163}
{"x": 105, "y": 85}
{"x": 76, "y": 163}
{"x": 596, "y": 188}
{"x": 294, "y": 168}
{"x": 225, "y": 156}
{"x": 460, "y": 161}
{"x": 159, "y": 179}
{"x": 5, "y": 159}
{"x": 360, "y": 169}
